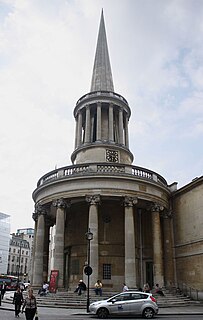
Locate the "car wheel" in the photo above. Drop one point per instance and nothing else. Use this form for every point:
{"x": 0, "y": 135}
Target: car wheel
{"x": 148, "y": 313}
{"x": 102, "y": 313}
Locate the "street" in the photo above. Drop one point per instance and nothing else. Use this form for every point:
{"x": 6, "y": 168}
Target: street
{"x": 63, "y": 314}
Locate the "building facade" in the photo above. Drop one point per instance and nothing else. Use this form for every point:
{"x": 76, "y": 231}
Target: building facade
{"x": 19, "y": 257}
{"x": 128, "y": 208}
{"x": 4, "y": 241}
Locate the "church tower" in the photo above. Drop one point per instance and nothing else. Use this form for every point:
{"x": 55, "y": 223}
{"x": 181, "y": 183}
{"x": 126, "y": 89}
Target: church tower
{"x": 102, "y": 115}
{"x": 126, "y": 207}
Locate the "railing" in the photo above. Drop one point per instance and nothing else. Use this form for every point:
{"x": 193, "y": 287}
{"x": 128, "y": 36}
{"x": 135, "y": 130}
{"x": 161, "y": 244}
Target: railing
{"x": 187, "y": 291}
{"x": 102, "y": 93}
{"x": 102, "y": 168}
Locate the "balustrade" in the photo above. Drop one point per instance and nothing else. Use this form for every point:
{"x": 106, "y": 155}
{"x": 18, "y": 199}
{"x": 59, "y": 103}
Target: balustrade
{"x": 101, "y": 168}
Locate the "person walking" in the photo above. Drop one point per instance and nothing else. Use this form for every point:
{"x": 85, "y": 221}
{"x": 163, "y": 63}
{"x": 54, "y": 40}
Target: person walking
{"x": 17, "y": 300}
{"x": 3, "y": 289}
{"x": 30, "y": 305}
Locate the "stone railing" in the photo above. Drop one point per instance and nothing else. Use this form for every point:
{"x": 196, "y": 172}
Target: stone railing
{"x": 102, "y": 93}
{"x": 101, "y": 168}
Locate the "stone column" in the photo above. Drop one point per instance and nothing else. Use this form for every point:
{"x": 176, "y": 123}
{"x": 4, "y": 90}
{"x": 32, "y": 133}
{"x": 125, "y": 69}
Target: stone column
{"x": 87, "y": 125}
{"x": 157, "y": 245}
{"x": 58, "y": 261}
{"x": 93, "y": 226}
{"x": 46, "y": 251}
{"x": 76, "y": 132}
{"x": 126, "y": 132}
{"x": 121, "y": 125}
{"x": 130, "y": 264}
{"x": 39, "y": 247}
{"x": 30, "y": 276}
{"x": 169, "y": 273}
{"x": 79, "y": 130}
{"x": 111, "y": 137}
{"x": 98, "y": 138}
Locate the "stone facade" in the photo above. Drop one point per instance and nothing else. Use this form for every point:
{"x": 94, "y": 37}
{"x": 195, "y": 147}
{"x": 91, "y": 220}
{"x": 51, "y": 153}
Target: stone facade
{"x": 188, "y": 234}
{"x": 131, "y": 211}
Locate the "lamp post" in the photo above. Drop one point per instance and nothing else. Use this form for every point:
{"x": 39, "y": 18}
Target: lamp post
{"x": 88, "y": 269}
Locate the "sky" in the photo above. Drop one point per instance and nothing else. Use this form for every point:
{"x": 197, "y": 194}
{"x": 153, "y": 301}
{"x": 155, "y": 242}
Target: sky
{"x": 47, "y": 50}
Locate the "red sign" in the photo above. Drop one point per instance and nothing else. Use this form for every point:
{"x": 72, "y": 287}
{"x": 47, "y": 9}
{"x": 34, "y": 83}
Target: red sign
{"x": 53, "y": 281}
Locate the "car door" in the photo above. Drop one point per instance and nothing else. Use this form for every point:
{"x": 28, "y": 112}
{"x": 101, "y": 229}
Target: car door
{"x": 136, "y": 302}
{"x": 120, "y": 304}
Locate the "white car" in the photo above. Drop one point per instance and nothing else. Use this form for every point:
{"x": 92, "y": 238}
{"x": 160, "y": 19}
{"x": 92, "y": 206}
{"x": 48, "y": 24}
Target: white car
{"x": 126, "y": 303}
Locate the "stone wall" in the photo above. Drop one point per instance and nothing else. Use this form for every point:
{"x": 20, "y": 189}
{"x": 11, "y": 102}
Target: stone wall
{"x": 188, "y": 234}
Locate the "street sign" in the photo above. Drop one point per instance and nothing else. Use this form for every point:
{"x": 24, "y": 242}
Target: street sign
{"x": 88, "y": 270}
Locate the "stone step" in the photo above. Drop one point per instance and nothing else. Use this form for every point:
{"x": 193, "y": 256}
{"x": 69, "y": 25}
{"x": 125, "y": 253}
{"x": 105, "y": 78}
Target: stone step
{"x": 68, "y": 299}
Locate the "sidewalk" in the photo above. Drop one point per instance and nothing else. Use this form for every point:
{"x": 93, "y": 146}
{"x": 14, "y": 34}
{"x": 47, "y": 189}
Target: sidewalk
{"x": 186, "y": 310}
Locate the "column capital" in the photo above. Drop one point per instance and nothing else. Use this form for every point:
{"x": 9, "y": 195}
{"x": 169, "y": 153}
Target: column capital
{"x": 130, "y": 201}
{"x": 60, "y": 203}
{"x": 156, "y": 207}
{"x": 168, "y": 214}
{"x": 93, "y": 199}
{"x": 39, "y": 210}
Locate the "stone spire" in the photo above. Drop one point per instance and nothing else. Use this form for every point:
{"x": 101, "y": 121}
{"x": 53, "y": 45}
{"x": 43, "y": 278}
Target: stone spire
{"x": 102, "y": 77}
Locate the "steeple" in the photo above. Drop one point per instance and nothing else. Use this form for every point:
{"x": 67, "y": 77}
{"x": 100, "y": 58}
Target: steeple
{"x": 102, "y": 115}
{"x": 102, "y": 77}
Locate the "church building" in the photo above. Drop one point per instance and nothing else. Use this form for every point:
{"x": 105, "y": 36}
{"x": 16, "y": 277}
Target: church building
{"x": 144, "y": 230}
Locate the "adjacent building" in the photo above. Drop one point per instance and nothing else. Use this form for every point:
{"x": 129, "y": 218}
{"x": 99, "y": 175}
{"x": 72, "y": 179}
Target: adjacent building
{"x": 4, "y": 241}
{"x": 20, "y": 254}
{"x": 144, "y": 230}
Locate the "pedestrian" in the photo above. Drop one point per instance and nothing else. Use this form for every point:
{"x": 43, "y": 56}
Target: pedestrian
{"x": 30, "y": 305}
{"x": 125, "y": 287}
{"x": 158, "y": 290}
{"x": 146, "y": 288}
{"x": 17, "y": 300}
{"x": 80, "y": 287}
{"x": 98, "y": 288}
{"x": 3, "y": 289}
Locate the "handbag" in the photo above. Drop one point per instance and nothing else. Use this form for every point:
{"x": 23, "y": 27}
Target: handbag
{"x": 36, "y": 316}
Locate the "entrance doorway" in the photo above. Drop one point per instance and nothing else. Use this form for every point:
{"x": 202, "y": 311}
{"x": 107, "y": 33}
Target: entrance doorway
{"x": 149, "y": 273}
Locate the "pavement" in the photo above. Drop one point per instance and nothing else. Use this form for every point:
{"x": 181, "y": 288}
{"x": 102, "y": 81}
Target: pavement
{"x": 193, "y": 309}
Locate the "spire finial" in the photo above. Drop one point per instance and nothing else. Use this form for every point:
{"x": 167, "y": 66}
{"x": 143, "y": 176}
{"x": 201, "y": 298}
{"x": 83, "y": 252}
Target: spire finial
{"x": 102, "y": 77}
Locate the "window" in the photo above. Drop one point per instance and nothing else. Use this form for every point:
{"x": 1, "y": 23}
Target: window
{"x": 106, "y": 271}
{"x": 75, "y": 267}
{"x": 14, "y": 250}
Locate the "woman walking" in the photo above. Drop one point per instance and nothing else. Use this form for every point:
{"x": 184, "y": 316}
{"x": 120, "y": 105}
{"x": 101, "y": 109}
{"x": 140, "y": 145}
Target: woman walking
{"x": 30, "y": 305}
{"x": 17, "y": 300}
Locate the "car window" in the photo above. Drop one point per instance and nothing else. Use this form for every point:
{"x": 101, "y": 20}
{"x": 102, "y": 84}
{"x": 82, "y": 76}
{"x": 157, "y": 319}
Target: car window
{"x": 136, "y": 296}
{"x": 122, "y": 297}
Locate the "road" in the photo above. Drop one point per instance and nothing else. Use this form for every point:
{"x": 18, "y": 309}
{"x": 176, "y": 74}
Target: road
{"x": 53, "y": 314}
